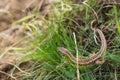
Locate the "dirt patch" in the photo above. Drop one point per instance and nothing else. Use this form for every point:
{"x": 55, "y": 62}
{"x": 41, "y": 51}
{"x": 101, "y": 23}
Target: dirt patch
{"x": 11, "y": 35}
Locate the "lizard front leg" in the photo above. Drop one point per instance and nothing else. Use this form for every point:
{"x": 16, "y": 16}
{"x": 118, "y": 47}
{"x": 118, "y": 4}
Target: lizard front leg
{"x": 99, "y": 61}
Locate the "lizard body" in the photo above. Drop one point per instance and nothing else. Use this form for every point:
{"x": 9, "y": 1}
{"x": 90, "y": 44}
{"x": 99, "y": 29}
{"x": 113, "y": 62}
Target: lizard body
{"x": 92, "y": 58}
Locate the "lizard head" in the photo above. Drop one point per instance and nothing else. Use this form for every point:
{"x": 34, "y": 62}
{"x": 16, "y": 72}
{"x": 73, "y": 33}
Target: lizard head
{"x": 63, "y": 50}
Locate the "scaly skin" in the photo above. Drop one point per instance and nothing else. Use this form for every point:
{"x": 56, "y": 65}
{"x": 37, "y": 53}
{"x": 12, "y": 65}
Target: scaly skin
{"x": 91, "y": 59}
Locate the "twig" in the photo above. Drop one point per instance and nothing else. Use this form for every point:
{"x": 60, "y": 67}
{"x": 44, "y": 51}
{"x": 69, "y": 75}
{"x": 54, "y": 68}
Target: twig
{"x": 115, "y": 74}
{"x": 18, "y": 68}
{"x": 8, "y": 75}
{"x": 95, "y": 14}
{"x": 77, "y": 65}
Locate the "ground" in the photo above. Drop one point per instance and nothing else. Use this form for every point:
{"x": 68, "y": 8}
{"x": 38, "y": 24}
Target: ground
{"x": 19, "y": 21}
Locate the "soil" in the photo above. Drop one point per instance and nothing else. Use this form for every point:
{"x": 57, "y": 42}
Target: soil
{"x": 11, "y": 34}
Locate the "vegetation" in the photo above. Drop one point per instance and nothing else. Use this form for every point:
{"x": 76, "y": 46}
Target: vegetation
{"x": 68, "y": 18}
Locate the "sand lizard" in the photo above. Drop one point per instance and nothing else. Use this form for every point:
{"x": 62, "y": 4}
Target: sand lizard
{"x": 92, "y": 58}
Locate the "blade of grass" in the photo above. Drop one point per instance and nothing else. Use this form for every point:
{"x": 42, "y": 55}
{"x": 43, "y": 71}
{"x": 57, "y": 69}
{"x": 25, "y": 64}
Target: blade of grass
{"x": 116, "y": 18}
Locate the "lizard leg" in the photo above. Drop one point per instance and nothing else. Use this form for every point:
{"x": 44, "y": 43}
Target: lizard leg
{"x": 99, "y": 61}
{"x": 93, "y": 54}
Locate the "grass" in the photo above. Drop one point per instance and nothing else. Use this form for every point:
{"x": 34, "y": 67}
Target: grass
{"x": 51, "y": 65}
{"x": 116, "y": 18}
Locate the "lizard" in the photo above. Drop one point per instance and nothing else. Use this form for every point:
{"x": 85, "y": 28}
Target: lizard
{"x": 91, "y": 59}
